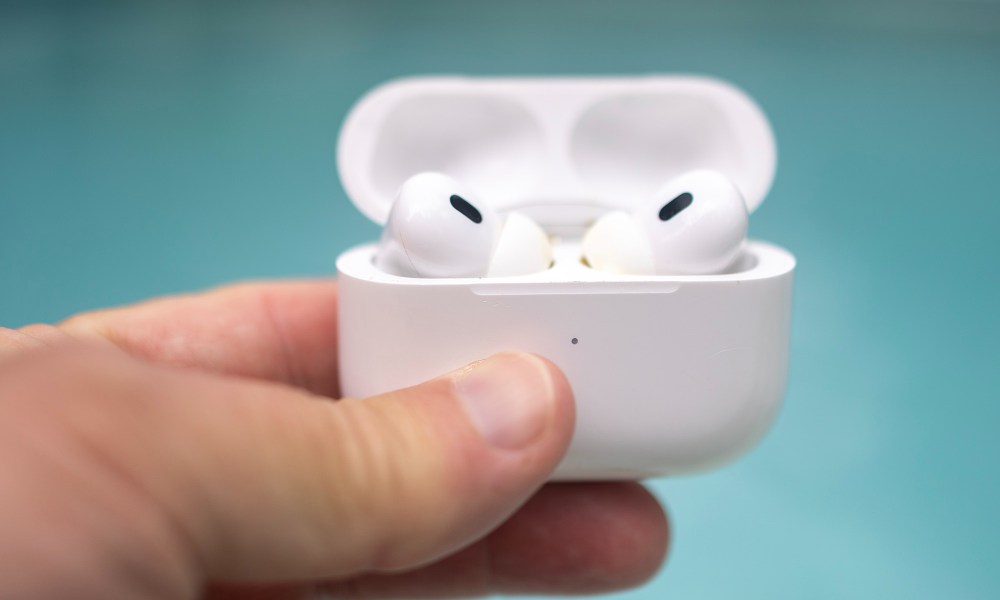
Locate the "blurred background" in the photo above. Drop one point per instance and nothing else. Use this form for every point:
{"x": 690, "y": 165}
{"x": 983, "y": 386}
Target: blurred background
{"x": 151, "y": 148}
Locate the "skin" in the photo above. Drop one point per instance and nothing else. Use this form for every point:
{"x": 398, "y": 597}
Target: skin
{"x": 190, "y": 447}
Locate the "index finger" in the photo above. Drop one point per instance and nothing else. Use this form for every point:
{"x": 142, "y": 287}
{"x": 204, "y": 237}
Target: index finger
{"x": 276, "y": 331}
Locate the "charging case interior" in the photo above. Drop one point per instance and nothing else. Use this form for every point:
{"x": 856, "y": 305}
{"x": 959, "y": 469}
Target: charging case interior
{"x": 671, "y": 374}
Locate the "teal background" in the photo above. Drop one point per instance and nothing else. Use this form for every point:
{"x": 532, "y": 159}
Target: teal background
{"x": 152, "y": 148}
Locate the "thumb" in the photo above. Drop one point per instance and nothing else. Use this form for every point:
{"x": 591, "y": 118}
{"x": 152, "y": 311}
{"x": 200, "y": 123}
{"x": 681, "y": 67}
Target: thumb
{"x": 415, "y": 474}
{"x": 258, "y": 481}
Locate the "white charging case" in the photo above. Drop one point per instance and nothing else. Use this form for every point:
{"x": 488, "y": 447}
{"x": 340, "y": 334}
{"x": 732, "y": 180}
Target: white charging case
{"x": 671, "y": 374}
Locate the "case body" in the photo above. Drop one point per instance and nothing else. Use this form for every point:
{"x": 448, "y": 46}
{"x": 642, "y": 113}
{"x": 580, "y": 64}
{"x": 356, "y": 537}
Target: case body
{"x": 671, "y": 374}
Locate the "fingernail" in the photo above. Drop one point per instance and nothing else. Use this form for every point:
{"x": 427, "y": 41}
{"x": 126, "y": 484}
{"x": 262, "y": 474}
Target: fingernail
{"x": 508, "y": 398}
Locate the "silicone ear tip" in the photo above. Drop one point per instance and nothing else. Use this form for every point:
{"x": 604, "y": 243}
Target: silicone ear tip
{"x": 616, "y": 244}
{"x": 523, "y": 248}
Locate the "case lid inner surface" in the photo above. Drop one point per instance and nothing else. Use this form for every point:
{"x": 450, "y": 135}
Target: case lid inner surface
{"x": 563, "y": 150}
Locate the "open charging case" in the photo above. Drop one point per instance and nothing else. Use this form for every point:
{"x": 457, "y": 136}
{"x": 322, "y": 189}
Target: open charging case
{"x": 671, "y": 374}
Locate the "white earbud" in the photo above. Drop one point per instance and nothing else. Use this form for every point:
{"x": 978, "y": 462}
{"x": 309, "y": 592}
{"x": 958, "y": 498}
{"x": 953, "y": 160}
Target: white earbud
{"x": 695, "y": 224}
{"x": 437, "y": 228}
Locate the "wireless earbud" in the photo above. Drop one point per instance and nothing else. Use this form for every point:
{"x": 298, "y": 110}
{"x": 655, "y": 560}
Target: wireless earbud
{"x": 695, "y": 224}
{"x": 439, "y": 228}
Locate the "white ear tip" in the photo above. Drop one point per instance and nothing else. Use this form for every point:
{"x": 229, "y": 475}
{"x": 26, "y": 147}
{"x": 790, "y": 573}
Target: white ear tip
{"x": 523, "y": 248}
{"x": 616, "y": 244}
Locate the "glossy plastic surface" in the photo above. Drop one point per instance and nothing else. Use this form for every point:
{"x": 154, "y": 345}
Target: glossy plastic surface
{"x": 671, "y": 374}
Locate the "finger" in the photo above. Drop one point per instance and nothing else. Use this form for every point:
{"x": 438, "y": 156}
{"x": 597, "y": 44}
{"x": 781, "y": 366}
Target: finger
{"x": 581, "y": 538}
{"x": 262, "y": 482}
{"x": 45, "y": 335}
{"x": 285, "y": 332}
{"x": 14, "y": 342}
{"x": 568, "y": 539}
{"x": 30, "y": 337}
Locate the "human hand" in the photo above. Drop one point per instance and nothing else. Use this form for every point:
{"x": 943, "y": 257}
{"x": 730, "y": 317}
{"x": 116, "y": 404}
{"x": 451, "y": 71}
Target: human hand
{"x": 187, "y": 447}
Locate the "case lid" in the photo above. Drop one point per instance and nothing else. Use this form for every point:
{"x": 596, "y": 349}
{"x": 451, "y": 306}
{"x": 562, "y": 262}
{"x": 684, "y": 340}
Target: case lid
{"x": 562, "y": 150}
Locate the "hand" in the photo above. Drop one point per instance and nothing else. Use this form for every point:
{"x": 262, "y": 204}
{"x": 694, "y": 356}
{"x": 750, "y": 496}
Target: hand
{"x": 188, "y": 447}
